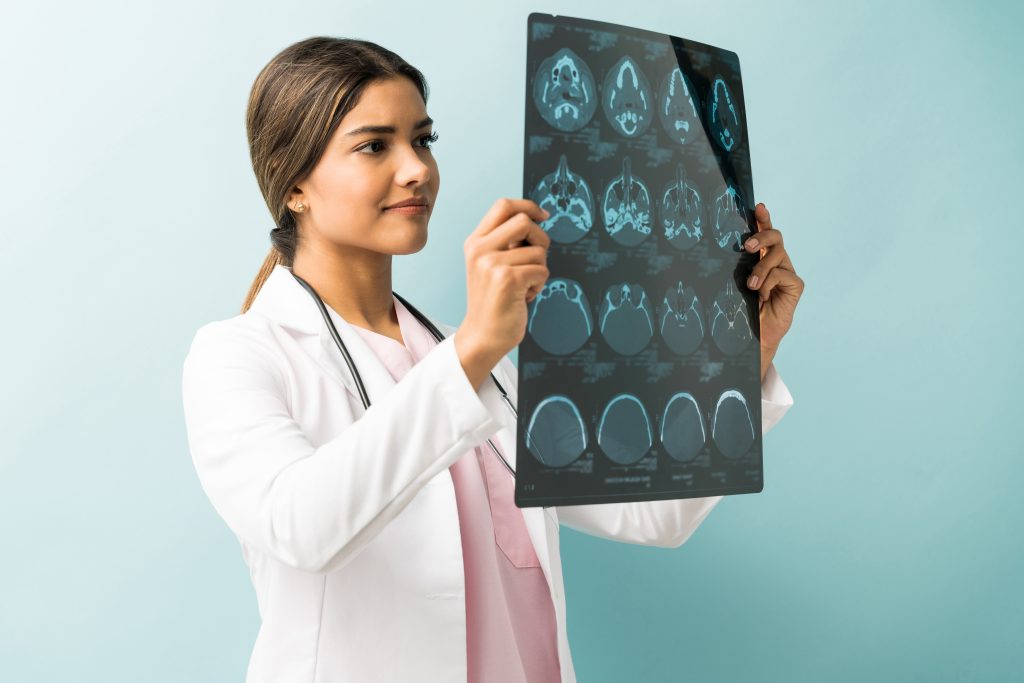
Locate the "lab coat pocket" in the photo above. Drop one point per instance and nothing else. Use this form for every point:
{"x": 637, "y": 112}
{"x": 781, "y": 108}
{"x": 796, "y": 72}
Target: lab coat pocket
{"x": 509, "y": 527}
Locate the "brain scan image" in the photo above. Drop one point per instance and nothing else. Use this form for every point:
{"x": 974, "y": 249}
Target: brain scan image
{"x": 559, "y": 317}
{"x": 728, "y": 219}
{"x": 730, "y": 325}
{"x": 723, "y": 116}
{"x": 682, "y": 427}
{"x": 626, "y": 208}
{"x": 624, "y": 430}
{"x": 556, "y": 434}
{"x": 681, "y": 319}
{"x": 626, "y": 97}
{"x": 564, "y": 91}
{"x": 626, "y": 318}
{"x": 567, "y": 197}
{"x": 732, "y": 425}
{"x": 681, "y": 212}
{"x": 677, "y": 109}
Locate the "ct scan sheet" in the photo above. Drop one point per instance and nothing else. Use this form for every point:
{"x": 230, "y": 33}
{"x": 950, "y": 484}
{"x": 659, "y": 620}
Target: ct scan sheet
{"x": 639, "y": 375}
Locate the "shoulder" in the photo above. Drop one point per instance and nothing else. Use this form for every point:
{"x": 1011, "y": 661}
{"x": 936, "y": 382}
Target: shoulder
{"x": 244, "y": 339}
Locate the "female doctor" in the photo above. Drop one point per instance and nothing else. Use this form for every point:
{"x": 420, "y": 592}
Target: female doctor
{"x": 376, "y": 514}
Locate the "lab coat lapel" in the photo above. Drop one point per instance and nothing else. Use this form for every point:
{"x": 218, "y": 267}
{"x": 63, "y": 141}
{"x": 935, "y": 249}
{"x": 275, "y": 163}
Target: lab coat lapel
{"x": 534, "y": 517}
{"x": 285, "y": 301}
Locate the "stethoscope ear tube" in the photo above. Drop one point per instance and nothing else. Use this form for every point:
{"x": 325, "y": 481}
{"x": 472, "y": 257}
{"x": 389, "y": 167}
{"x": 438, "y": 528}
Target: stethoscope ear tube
{"x": 363, "y": 396}
{"x": 337, "y": 340}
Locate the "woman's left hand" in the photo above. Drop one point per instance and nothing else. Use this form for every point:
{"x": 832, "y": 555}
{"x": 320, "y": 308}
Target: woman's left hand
{"x": 777, "y": 285}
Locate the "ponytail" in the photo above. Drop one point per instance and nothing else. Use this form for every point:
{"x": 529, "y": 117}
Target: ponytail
{"x": 274, "y": 258}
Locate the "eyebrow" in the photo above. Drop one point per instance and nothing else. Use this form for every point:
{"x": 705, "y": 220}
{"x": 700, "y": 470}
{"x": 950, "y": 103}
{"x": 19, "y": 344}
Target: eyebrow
{"x": 389, "y": 130}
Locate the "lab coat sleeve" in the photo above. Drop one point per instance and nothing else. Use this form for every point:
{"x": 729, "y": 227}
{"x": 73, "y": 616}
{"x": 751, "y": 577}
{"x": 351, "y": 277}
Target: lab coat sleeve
{"x": 663, "y": 523}
{"x": 314, "y": 508}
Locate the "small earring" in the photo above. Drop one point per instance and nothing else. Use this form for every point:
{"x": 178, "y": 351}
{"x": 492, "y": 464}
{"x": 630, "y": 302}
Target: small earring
{"x": 300, "y": 206}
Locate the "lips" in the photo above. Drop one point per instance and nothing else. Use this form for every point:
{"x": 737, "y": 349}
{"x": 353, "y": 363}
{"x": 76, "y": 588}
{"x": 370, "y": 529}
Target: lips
{"x": 414, "y": 201}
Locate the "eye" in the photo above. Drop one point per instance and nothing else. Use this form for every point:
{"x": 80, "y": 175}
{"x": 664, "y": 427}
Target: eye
{"x": 429, "y": 140}
{"x": 369, "y": 144}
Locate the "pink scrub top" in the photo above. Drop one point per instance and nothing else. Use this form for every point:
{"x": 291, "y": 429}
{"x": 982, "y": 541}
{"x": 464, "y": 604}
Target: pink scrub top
{"x": 510, "y": 619}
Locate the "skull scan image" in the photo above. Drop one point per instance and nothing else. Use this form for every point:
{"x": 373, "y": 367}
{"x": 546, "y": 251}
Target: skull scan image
{"x": 732, "y": 426}
{"x": 564, "y": 91}
{"x": 556, "y": 434}
{"x": 682, "y": 427}
{"x": 624, "y": 430}
{"x": 626, "y": 318}
{"x": 730, "y": 324}
{"x": 567, "y": 197}
{"x": 677, "y": 108}
{"x": 626, "y": 208}
{"x": 723, "y": 116}
{"x": 681, "y": 319}
{"x": 559, "y": 318}
{"x": 728, "y": 219}
{"x": 681, "y": 212}
{"x": 626, "y": 97}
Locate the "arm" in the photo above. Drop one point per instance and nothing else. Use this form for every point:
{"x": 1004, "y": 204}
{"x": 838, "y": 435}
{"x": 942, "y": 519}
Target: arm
{"x": 314, "y": 508}
{"x": 664, "y": 523}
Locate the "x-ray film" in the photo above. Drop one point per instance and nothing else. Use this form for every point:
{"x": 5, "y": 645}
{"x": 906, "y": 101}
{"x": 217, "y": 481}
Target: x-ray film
{"x": 639, "y": 375}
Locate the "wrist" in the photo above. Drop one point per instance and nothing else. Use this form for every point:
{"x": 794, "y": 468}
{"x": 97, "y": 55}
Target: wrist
{"x": 476, "y": 359}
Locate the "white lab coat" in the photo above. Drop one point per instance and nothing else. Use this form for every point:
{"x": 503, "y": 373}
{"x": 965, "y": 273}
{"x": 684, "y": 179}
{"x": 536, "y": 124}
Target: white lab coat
{"x": 347, "y": 518}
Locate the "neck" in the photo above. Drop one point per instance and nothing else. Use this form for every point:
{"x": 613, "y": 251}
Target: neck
{"x": 355, "y": 283}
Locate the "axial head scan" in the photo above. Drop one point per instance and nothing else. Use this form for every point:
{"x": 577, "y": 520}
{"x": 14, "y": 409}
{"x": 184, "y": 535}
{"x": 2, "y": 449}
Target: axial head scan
{"x": 624, "y": 430}
{"x": 681, "y": 319}
{"x": 732, "y": 426}
{"x": 559, "y": 317}
{"x": 677, "y": 109}
{"x": 729, "y": 219}
{"x": 626, "y": 318}
{"x": 566, "y": 196}
{"x": 626, "y": 208}
{"x": 723, "y": 116}
{"x": 730, "y": 324}
{"x": 564, "y": 91}
{"x": 681, "y": 212}
{"x": 556, "y": 434}
{"x": 626, "y": 97}
{"x": 682, "y": 427}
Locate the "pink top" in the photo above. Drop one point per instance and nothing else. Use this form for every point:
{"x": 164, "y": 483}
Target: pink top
{"x": 510, "y": 619}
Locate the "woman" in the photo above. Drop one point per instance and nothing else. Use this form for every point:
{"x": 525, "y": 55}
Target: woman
{"x": 383, "y": 542}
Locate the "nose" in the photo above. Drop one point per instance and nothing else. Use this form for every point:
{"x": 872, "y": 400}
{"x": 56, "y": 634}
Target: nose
{"x": 412, "y": 169}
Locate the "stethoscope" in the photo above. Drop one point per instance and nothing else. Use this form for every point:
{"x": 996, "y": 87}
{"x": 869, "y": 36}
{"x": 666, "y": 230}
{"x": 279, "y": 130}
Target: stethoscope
{"x": 423, "y": 321}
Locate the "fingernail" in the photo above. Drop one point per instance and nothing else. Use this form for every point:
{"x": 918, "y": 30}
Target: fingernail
{"x": 752, "y": 282}
{"x": 547, "y": 214}
{"x": 752, "y": 243}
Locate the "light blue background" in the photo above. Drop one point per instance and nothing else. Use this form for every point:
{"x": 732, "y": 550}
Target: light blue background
{"x": 885, "y": 140}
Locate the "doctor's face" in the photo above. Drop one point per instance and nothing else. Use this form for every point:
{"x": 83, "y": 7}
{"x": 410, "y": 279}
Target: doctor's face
{"x": 378, "y": 156}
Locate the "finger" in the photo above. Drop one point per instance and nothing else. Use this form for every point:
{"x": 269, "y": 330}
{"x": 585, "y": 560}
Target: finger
{"x": 759, "y": 273}
{"x": 505, "y": 208}
{"x": 530, "y": 276}
{"x": 523, "y": 255}
{"x": 763, "y": 239}
{"x": 519, "y": 228}
{"x": 780, "y": 281}
{"x": 762, "y": 217}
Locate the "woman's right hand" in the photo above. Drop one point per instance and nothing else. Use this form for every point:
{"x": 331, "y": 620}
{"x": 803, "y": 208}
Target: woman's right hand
{"x": 506, "y": 267}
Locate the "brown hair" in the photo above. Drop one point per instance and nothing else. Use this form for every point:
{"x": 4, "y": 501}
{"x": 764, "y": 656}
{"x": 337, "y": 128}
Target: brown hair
{"x": 295, "y": 105}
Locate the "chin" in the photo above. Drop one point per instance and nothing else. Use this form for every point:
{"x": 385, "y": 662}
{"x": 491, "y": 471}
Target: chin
{"x": 413, "y": 244}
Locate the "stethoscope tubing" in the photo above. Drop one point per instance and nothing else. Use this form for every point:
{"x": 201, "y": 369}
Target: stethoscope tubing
{"x": 364, "y": 397}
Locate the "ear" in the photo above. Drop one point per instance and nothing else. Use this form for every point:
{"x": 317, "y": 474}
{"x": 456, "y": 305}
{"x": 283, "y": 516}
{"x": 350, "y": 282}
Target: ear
{"x": 296, "y": 196}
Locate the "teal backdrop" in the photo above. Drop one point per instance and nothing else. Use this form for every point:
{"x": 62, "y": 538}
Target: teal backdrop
{"x": 885, "y": 139}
